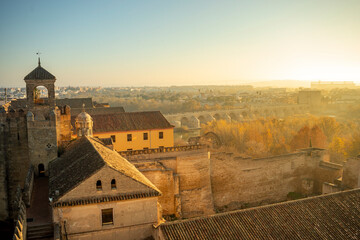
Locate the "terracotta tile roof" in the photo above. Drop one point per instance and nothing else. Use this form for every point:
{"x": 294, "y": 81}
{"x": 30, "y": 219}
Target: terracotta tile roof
{"x": 128, "y": 121}
{"x": 97, "y": 111}
{"x": 120, "y": 197}
{"x": 82, "y": 159}
{"x": 333, "y": 216}
{"x": 39, "y": 73}
{"x": 75, "y": 102}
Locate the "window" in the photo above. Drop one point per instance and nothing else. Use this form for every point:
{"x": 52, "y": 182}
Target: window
{"x": 146, "y": 148}
{"x": 98, "y": 185}
{"x": 129, "y": 149}
{"x": 129, "y": 137}
{"x": 146, "y": 136}
{"x": 113, "y": 184}
{"x": 113, "y": 138}
{"x": 107, "y": 216}
{"x": 161, "y": 135}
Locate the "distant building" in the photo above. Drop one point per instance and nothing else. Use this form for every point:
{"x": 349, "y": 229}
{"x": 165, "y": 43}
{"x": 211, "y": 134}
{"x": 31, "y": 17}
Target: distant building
{"x": 332, "y": 85}
{"x": 310, "y": 97}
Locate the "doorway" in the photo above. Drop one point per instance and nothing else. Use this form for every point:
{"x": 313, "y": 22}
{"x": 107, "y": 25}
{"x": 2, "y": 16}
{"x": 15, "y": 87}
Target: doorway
{"x": 41, "y": 169}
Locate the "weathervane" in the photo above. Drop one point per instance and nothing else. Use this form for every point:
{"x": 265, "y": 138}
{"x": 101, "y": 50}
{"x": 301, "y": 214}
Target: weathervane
{"x": 38, "y": 53}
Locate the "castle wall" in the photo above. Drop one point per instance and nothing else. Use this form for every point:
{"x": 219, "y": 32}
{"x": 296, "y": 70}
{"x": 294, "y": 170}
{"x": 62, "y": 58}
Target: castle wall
{"x": 184, "y": 180}
{"x": 225, "y": 182}
{"x": 15, "y": 154}
{"x": 165, "y": 180}
{"x": 4, "y": 211}
{"x": 238, "y": 182}
{"x": 351, "y": 177}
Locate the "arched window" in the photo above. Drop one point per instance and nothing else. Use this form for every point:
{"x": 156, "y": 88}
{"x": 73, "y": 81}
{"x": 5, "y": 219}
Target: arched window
{"x": 41, "y": 95}
{"x": 98, "y": 185}
{"x": 113, "y": 184}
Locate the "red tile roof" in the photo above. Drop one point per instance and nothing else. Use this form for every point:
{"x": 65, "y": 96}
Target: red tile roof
{"x": 333, "y": 216}
{"x": 128, "y": 121}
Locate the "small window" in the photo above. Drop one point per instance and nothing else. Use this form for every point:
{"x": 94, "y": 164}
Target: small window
{"x": 129, "y": 137}
{"x": 98, "y": 185}
{"x": 107, "y": 216}
{"x": 146, "y": 136}
{"x": 146, "y": 148}
{"x": 129, "y": 149}
{"x": 113, "y": 184}
{"x": 113, "y": 138}
{"x": 161, "y": 135}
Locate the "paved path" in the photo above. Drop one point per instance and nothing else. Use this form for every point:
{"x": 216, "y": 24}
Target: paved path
{"x": 40, "y": 210}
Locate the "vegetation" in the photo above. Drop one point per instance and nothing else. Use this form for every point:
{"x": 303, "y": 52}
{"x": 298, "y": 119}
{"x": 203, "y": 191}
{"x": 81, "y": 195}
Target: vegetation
{"x": 267, "y": 137}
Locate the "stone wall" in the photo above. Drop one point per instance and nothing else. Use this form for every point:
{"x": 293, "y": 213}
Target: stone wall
{"x": 4, "y": 211}
{"x": 238, "y": 182}
{"x": 28, "y": 187}
{"x": 226, "y": 182}
{"x": 351, "y": 177}
{"x": 14, "y": 154}
{"x": 183, "y": 178}
{"x": 165, "y": 179}
{"x": 20, "y": 217}
{"x": 42, "y": 138}
{"x": 63, "y": 125}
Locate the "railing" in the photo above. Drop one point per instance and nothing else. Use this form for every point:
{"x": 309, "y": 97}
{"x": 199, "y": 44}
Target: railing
{"x": 161, "y": 150}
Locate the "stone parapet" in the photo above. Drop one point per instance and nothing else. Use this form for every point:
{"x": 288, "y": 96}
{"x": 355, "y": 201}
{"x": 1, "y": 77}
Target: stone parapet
{"x": 161, "y": 150}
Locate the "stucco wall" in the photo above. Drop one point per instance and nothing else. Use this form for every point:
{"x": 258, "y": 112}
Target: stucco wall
{"x": 87, "y": 188}
{"x": 138, "y": 142}
{"x": 132, "y": 219}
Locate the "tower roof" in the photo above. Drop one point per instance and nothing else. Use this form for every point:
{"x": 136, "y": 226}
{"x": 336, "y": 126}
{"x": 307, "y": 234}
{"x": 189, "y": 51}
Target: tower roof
{"x": 39, "y": 73}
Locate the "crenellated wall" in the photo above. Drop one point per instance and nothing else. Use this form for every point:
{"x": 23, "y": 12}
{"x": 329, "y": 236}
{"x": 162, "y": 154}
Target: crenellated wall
{"x": 20, "y": 217}
{"x": 14, "y": 157}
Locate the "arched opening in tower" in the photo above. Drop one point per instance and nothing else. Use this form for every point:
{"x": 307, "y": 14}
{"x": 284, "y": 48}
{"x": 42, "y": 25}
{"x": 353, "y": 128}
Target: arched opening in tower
{"x": 41, "y": 95}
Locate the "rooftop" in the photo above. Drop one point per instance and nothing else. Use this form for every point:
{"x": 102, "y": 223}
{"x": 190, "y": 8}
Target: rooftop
{"x": 128, "y": 121}
{"x": 332, "y": 216}
{"x": 39, "y": 73}
{"x": 82, "y": 159}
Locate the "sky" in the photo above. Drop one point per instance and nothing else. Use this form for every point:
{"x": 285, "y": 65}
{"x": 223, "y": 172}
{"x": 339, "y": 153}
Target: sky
{"x": 187, "y": 42}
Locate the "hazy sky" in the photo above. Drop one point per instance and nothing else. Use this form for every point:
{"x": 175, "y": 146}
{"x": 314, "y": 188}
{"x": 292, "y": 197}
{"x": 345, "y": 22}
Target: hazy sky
{"x": 136, "y": 43}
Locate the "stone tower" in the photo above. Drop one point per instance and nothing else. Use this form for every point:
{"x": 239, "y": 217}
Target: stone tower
{"x": 41, "y": 119}
{"x": 84, "y": 124}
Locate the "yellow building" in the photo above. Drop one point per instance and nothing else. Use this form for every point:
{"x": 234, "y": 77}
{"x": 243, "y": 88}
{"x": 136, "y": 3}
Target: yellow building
{"x": 134, "y": 130}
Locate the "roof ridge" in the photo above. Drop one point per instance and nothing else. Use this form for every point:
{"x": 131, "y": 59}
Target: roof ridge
{"x": 148, "y": 183}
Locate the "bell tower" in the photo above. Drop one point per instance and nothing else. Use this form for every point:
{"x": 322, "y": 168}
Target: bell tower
{"x": 41, "y": 118}
{"x": 40, "y": 88}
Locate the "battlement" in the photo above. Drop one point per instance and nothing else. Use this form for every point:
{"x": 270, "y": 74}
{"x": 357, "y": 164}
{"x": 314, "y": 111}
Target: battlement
{"x": 161, "y": 150}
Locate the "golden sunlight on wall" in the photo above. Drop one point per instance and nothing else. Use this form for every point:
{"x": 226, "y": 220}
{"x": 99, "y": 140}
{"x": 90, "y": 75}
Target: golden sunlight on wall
{"x": 137, "y": 140}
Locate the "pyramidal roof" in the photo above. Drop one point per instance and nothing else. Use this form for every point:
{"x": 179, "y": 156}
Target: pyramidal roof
{"x": 39, "y": 73}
